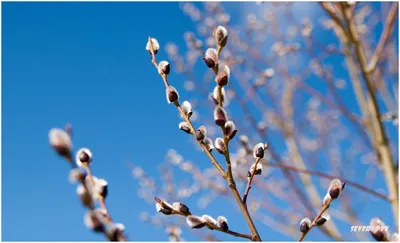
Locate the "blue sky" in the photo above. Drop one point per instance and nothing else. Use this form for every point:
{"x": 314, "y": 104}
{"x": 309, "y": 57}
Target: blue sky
{"x": 85, "y": 63}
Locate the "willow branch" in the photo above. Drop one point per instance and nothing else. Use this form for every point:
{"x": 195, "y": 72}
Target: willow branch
{"x": 209, "y": 225}
{"x": 314, "y": 222}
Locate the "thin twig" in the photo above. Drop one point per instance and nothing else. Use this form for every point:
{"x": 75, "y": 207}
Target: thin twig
{"x": 314, "y": 222}
{"x": 249, "y": 180}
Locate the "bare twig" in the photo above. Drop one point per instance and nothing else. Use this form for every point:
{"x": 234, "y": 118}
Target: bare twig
{"x": 249, "y": 180}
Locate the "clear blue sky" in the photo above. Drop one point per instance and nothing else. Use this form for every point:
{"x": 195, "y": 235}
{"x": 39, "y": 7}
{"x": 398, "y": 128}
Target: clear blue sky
{"x": 85, "y": 63}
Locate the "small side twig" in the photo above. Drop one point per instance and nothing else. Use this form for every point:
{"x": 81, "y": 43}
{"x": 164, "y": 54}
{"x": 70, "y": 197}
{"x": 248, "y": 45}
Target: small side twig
{"x": 249, "y": 180}
{"x": 314, "y": 223}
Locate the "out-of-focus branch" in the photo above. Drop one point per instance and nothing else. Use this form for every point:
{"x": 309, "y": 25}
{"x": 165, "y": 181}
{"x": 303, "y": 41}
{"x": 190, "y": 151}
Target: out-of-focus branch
{"x": 380, "y": 139}
{"x": 384, "y": 37}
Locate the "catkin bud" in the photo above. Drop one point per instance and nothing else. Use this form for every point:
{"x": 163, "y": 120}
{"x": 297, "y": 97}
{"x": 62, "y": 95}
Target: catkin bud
{"x": 83, "y": 157}
{"x": 211, "y": 57}
{"x": 221, "y": 36}
{"x": 61, "y": 142}
{"x": 220, "y": 116}
{"x": 322, "y": 220}
{"x": 172, "y": 94}
{"x": 258, "y": 151}
{"x": 187, "y": 108}
{"x": 305, "y": 224}
{"x": 223, "y": 223}
{"x": 208, "y": 219}
{"x": 253, "y": 167}
{"x": 184, "y": 127}
{"x": 163, "y": 210}
{"x": 222, "y": 77}
{"x": 163, "y": 68}
{"x": 230, "y": 129}
{"x": 209, "y": 144}
{"x": 180, "y": 207}
{"x": 201, "y": 133}
{"x": 195, "y": 222}
{"x": 379, "y": 233}
{"x": 220, "y": 145}
{"x": 154, "y": 44}
{"x": 215, "y": 95}
{"x": 326, "y": 200}
{"x": 335, "y": 188}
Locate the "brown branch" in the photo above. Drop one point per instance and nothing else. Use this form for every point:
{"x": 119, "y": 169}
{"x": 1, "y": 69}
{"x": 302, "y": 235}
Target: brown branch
{"x": 249, "y": 180}
{"x": 314, "y": 222}
{"x": 209, "y": 225}
{"x": 227, "y": 176}
{"x": 384, "y": 37}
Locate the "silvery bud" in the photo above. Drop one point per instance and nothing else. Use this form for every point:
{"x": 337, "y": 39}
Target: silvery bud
{"x": 164, "y": 210}
{"x": 220, "y": 145}
{"x": 187, "y": 108}
{"x": 172, "y": 94}
{"x": 258, "y": 151}
{"x": 379, "y": 233}
{"x": 61, "y": 142}
{"x": 327, "y": 199}
{"x": 195, "y": 222}
{"x": 220, "y": 116}
{"x": 222, "y": 77}
{"x": 230, "y": 129}
{"x": 221, "y": 36}
{"x": 209, "y": 144}
{"x": 163, "y": 68}
{"x": 201, "y": 133}
{"x": 83, "y": 157}
{"x": 154, "y": 44}
{"x": 252, "y": 168}
{"x": 335, "y": 188}
{"x": 215, "y": 95}
{"x": 322, "y": 220}
{"x": 180, "y": 207}
{"x": 223, "y": 223}
{"x": 99, "y": 188}
{"x": 208, "y": 219}
{"x": 184, "y": 127}
{"x": 211, "y": 57}
{"x": 305, "y": 225}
